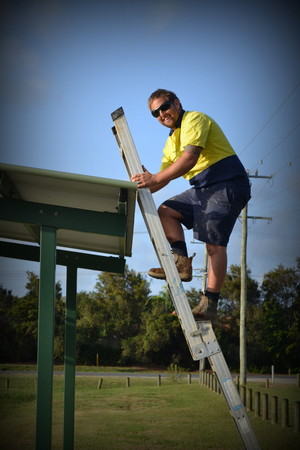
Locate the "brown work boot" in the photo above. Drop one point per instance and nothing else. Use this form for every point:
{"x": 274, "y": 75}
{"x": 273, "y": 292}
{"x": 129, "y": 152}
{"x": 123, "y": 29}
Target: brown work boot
{"x": 184, "y": 267}
{"x": 206, "y": 310}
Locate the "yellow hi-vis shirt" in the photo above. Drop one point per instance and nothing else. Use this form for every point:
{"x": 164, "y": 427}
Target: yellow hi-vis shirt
{"x": 201, "y": 130}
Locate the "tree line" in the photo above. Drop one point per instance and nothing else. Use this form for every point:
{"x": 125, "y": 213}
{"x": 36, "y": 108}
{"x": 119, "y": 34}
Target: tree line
{"x": 125, "y": 325}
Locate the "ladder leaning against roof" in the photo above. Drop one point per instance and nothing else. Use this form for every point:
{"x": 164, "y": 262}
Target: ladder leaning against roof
{"x": 200, "y": 336}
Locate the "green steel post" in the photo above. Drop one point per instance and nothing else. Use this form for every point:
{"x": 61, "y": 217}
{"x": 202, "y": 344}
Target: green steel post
{"x": 70, "y": 358}
{"x": 46, "y": 324}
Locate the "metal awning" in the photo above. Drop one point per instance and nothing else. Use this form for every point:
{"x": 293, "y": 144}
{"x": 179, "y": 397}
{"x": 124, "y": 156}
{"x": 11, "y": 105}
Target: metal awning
{"x": 90, "y": 213}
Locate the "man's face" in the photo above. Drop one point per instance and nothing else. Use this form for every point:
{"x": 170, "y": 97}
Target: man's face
{"x": 169, "y": 117}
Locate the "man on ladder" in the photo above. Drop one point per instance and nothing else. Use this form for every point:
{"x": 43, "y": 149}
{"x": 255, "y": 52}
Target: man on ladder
{"x": 198, "y": 150}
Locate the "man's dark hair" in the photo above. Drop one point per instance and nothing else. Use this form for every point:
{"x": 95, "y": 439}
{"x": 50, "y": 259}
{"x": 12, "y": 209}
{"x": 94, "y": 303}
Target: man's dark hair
{"x": 160, "y": 92}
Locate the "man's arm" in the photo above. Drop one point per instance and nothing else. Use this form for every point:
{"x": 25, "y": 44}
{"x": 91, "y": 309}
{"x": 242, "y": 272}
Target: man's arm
{"x": 157, "y": 187}
{"x": 179, "y": 167}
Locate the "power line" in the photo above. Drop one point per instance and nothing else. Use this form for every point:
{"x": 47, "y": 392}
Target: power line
{"x": 288, "y": 188}
{"x": 276, "y": 146}
{"x": 284, "y": 166}
{"x": 271, "y": 118}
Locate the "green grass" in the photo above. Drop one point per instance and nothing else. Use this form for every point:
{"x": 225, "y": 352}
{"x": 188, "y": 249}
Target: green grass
{"x": 143, "y": 416}
{"x": 32, "y": 367}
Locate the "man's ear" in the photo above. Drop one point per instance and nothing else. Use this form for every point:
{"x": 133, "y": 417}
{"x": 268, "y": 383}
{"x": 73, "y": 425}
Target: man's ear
{"x": 177, "y": 103}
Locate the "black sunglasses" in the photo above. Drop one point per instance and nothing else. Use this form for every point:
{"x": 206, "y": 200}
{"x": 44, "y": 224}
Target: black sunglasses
{"x": 163, "y": 107}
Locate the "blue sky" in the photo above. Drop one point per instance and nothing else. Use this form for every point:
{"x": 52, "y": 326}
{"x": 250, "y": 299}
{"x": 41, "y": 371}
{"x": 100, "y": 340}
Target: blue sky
{"x": 67, "y": 65}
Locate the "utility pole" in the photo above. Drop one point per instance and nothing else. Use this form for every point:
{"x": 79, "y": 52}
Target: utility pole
{"x": 243, "y": 294}
{"x": 204, "y": 279}
{"x": 243, "y": 300}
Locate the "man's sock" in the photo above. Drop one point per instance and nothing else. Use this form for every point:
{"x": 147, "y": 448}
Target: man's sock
{"x": 214, "y": 296}
{"x": 179, "y": 247}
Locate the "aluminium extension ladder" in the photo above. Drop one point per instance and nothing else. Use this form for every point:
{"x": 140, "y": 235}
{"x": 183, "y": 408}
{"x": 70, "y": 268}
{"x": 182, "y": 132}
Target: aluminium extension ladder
{"x": 200, "y": 336}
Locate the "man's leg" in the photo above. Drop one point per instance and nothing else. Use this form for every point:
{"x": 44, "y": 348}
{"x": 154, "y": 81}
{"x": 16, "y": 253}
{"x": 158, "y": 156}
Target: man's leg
{"x": 217, "y": 266}
{"x": 171, "y": 222}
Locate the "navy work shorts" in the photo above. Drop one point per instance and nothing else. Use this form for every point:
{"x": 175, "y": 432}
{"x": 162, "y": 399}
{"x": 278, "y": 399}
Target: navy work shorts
{"x": 212, "y": 211}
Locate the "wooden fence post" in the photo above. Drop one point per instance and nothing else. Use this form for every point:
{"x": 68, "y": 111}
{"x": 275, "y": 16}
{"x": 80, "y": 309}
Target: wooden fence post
{"x": 296, "y": 417}
{"x": 249, "y": 399}
{"x": 265, "y": 407}
{"x": 274, "y": 410}
{"x": 216, "y": 383}
{"x": 257, "y": 404}
{"x": 285, "y": 412}
{"x": 158, "y": 380}
{"x": 127, "y": 382}
{"x": 100, "y": 383}
{"x": 201, "y": 377}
